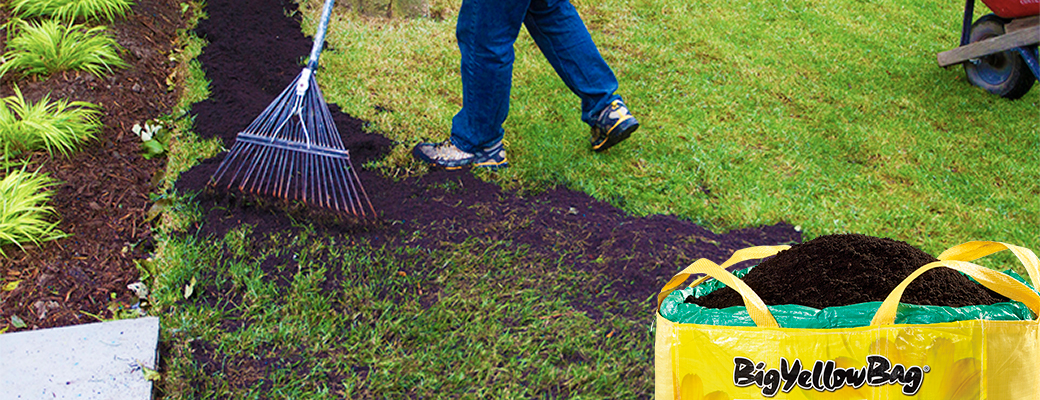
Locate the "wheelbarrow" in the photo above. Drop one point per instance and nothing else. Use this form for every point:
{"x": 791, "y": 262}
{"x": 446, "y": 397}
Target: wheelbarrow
{"x": 999, "y": 50}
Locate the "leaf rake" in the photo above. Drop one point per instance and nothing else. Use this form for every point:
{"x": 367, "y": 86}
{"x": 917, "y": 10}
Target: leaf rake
{"x": 293, "y": 151}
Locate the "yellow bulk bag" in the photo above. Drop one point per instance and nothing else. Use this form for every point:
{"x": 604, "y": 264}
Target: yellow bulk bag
{"x": 973, "y": 359}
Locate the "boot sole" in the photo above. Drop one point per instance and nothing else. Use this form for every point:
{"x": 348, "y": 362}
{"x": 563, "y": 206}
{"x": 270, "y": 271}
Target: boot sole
{"x": 615, "y": 139}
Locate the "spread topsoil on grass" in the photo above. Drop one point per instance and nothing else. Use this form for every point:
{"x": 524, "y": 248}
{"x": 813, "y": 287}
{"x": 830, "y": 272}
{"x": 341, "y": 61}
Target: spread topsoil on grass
{"x": 254, "y": 52}
{"x": 840, "y": 270}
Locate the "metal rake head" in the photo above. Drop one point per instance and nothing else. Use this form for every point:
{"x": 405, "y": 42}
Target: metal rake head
{"x": 293, "y": 151}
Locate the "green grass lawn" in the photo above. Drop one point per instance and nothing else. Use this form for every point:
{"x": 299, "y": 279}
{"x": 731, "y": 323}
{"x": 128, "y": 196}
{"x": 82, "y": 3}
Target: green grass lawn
{"x": 830, "y": 115}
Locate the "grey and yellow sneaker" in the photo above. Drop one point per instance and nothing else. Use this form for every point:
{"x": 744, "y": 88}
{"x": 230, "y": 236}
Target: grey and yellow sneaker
{"x": 447, "y": 156}
{"x": 612, "y": 125}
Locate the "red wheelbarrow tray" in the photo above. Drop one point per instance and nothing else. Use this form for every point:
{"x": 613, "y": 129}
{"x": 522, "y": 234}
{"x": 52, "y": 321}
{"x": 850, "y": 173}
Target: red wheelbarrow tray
{"x": 1024, "y": 16}
{"x": 1013, "y": 8}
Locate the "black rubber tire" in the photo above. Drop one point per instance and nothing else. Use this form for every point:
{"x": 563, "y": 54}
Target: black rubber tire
{"x": 1004, "y": 74}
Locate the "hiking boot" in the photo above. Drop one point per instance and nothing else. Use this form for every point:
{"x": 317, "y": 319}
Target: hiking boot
{"x": 447, "y": 156}
{"x": 612, "y": 125}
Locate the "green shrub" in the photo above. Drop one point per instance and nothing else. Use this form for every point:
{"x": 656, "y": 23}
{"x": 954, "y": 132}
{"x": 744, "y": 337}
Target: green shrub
{"x": 46, "y": 47}
{"x": 55, "y": 126}
{"x": 24, "y": 210}
{"x": 70, "y": 10}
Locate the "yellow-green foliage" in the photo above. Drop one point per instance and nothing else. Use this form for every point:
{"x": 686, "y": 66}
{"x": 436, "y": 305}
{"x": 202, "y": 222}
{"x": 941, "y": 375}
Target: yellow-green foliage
{"x": 48, "y": 46}
{"x": 24, "y": 211}
{"x": 58, "y": 126}
{"x": 71, "y": 10}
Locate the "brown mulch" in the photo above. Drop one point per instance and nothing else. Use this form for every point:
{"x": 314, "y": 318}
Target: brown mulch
{"x": 104, "y": 191}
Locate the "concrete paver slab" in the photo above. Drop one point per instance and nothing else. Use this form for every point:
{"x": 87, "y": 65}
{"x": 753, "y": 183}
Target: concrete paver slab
{"x": 94, "y": 361}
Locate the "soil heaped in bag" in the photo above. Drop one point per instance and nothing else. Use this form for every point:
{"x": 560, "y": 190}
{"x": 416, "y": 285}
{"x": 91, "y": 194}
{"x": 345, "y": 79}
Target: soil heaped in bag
{"x": 845, "y": 269}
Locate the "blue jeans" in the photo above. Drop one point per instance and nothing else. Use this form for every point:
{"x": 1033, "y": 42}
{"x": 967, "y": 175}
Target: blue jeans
{"x": 486, "y": 31}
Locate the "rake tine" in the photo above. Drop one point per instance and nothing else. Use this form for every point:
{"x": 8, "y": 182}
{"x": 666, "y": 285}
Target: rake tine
{"x": 285, "y": 175}
{"x": 323, "y": 176}
{"x": 315, "y": 187}
{"x": 245, "y": 151}
{"x": 363, "y": 193}
{"x": 274, "y": 186}
{"x": 262, "y": 156}
{"x": 355, "y": 205}
{"x": 258, "y": 174}
{"x": 342, "y": 189}
{"x": 223, "y": 167}
{"x": 257, "y": 183}
{"x": 348, "y": 187}
{"x": 348, "y": 192}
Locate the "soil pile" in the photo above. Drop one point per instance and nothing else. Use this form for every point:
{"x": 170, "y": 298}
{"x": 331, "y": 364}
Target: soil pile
{"x": 839, "y": 270}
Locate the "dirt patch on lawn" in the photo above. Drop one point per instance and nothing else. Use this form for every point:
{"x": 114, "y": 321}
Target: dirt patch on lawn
{"x": 254, "y": 53}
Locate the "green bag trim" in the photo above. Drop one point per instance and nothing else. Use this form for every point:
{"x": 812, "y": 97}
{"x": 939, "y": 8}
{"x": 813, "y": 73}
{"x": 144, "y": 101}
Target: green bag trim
{"x": 674, "y": 309}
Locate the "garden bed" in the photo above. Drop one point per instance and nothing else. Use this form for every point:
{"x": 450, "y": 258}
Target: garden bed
{"x": 104, "y": 188}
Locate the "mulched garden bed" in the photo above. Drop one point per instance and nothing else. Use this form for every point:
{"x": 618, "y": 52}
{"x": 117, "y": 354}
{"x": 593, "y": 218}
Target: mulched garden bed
{"x": 103, "y": 195}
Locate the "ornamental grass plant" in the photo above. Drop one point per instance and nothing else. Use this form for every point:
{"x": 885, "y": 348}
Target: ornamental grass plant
{"x": 24, "y": 213}
{"x": 56, "y": 126}
{"x": 71, "y": 10}
{"x": 45, "y": 47}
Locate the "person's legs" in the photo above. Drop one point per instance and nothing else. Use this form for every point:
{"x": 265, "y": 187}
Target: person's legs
{"x": 565, "y": 41}
{"x": 486, "y": 31}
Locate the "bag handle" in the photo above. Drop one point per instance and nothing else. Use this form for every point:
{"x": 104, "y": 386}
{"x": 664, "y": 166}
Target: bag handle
{"x": 971, "y": 251}
{"x": 993, "y": 280}
{"x": 755, "y": 306}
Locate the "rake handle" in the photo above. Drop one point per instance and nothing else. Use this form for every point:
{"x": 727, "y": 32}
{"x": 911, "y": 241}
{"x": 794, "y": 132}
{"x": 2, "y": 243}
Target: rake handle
{"x": 319, "y": 36}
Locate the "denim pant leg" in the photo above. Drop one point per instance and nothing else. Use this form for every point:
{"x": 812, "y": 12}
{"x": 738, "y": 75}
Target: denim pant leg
{"x": 486, "y": 31}
{"x": 566, "y": 43}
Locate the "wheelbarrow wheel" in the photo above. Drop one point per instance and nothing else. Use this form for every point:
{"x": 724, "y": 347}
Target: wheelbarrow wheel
{"x": 1004, "y": 74}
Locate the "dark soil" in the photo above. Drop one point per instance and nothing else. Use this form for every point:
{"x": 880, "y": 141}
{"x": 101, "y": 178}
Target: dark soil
{"x": 839, "y": 270}
{"x": 633, "y": 256}
{"x": 103, "y": 195}
{"x": 255, "y": 52}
